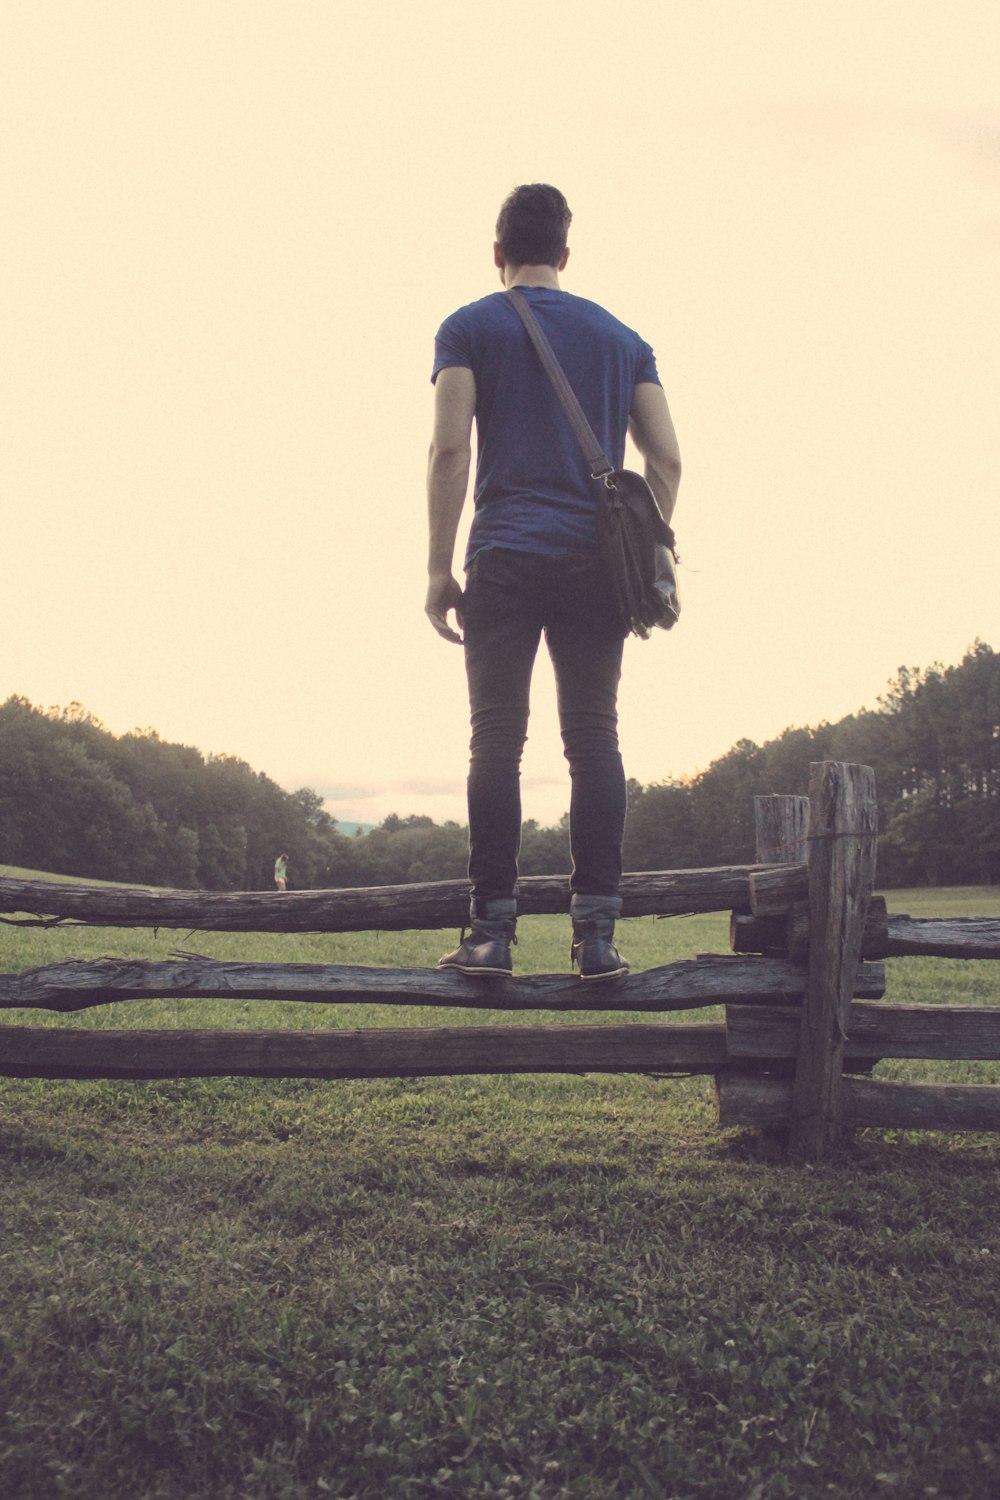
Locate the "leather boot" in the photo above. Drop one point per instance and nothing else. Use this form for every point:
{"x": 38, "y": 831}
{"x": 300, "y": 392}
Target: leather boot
{"x": 593, "y": 951}
{"x": 486, "y": 951}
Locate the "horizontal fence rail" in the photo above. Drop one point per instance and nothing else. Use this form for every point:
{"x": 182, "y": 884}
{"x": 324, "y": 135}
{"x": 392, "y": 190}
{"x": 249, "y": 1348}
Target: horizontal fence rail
{"x": 406, "y": 1052}
{"x": 746, "y": 1099}
{"x": 939, "y": 937}
{"x": 387, "y": 908}
{"x": 773, "y": 892}
{"x": 874, "y": 1032}
{"x": 687, "y": 984}
{"x": 884, "y": 935}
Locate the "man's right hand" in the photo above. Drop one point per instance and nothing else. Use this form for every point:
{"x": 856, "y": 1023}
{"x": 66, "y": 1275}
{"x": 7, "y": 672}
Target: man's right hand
{"x": 444, "y": 593}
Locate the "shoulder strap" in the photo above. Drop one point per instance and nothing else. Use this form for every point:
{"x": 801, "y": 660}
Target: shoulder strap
{"x": 594, "y": 454}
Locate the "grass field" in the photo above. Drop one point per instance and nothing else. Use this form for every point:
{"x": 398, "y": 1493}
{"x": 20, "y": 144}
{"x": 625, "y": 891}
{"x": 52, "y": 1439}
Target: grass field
{"x": 499, "y": 1287}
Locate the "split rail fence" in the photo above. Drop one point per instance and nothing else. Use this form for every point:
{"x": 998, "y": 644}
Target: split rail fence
{"x": 801, "y": 987}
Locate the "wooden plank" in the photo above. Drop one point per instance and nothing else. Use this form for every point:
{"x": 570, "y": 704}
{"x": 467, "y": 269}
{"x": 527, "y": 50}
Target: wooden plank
{"x": 773, "y": 888}
{"x": 788, "y": 934}
{"x": 750, "y": 934}
{"x": 896, "y": 936}
{"x": 390, "y": 908}
{"x": 765, "y": 1101}
{"x": 875, "y": 939}
{"x": 781, "y": 829}
{"x": 405, "y": 1052}
{"x": 885, "y": 936}
{"x": 921, "y": 1106}
{"x": 688, "y": 984}
{"x": 873, "y": 1032}
{"x": 943, "y": 937}
{"x": 843, "y": 822}
{"x": 758, "y": 1100}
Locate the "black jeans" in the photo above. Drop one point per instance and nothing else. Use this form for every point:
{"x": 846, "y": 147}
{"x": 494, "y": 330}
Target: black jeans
{"x": 510, "y": 599}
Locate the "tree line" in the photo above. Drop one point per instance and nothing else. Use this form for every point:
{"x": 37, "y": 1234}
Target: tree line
{"x": 76, "y": 799}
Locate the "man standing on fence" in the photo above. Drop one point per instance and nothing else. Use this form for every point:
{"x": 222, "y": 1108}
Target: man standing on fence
{"x": 531, "y": 566}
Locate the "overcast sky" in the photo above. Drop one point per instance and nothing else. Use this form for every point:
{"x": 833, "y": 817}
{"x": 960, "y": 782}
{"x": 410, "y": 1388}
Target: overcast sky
{"x": 232, "y": 229}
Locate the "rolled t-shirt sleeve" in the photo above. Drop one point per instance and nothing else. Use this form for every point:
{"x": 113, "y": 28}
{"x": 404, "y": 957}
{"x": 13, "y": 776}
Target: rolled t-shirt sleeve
{"x": 452, "y": 346}
{"x": 646, "y": 372}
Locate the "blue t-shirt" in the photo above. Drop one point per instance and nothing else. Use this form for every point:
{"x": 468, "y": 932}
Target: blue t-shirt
{"x": 533, "y": 488}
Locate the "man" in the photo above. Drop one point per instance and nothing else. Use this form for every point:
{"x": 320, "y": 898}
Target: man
{"x": 532, "y": 567}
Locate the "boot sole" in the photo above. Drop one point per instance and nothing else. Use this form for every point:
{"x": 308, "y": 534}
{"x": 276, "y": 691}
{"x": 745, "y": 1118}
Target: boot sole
{"x": 611, "y": 974}
{"x": 475, "y": 971}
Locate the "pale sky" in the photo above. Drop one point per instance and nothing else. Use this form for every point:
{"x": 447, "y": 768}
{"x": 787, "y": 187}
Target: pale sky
{"x": 231, "y": 230}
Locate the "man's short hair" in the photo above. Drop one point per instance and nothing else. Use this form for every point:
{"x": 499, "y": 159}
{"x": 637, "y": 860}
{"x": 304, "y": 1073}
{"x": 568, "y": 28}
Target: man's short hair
{"x": 533, "y": 224}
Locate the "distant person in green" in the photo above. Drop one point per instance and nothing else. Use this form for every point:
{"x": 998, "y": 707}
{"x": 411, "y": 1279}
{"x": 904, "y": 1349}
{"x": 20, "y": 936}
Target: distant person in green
{"x": 281, "y": 872}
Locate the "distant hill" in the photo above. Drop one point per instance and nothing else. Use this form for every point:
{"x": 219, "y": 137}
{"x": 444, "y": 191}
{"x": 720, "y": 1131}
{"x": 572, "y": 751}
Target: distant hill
{"x": 352, "y": 828}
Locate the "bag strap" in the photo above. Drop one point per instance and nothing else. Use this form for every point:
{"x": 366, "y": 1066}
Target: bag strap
{"x": 596, "y": 458}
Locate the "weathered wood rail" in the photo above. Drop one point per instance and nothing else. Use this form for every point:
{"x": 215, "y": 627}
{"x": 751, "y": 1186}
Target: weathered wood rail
{"x": 883, "y": 936}
{"x": 686, "y": 985}
{"x": 384, "y": 1052}
{"x": 760, "y": 888}
{"x": 800, "y": 1024}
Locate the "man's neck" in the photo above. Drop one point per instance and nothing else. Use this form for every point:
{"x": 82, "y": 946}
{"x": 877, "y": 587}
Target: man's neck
{"x": 531, "y": 276}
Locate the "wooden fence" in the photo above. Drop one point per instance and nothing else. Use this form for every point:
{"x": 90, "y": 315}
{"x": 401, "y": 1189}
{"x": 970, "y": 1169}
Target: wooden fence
{"x": 799, "y": 989}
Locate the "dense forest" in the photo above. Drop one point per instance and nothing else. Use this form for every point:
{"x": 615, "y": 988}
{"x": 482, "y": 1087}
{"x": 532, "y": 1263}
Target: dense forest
{"x": 78, "y": 800}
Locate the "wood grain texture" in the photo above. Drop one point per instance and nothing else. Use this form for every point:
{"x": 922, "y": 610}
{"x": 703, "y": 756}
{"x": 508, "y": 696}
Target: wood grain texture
{"x": 873, "y": 1032}
{"x": 765, "y": 1101}
{"x": 788, "y": 934}
{"x": 781, "y": 829}
{"x": 390, "y": 908}
{"x": 843, "y": 824}
{"x": 943, "y": 937}
{"x": 773, "y": 888}
{"x": 407, "y": 1052}
{"x": 690, "y": 983}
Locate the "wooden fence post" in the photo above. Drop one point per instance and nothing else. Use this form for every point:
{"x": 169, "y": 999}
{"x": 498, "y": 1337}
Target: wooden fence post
{"x": 843, "y": 824}
{"x": 781, "y": 825}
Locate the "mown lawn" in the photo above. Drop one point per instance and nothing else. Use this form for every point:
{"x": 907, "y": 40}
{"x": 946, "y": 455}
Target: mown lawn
{"x": 499, "y": 1287}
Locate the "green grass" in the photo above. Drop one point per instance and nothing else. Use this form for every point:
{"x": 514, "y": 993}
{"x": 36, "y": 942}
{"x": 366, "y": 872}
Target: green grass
{"x": 488, "y": 1287}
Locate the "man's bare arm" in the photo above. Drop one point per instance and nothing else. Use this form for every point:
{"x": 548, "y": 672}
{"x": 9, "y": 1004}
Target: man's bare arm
{"x": 447, "y": 483}
{"x": 652, "y": 431}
